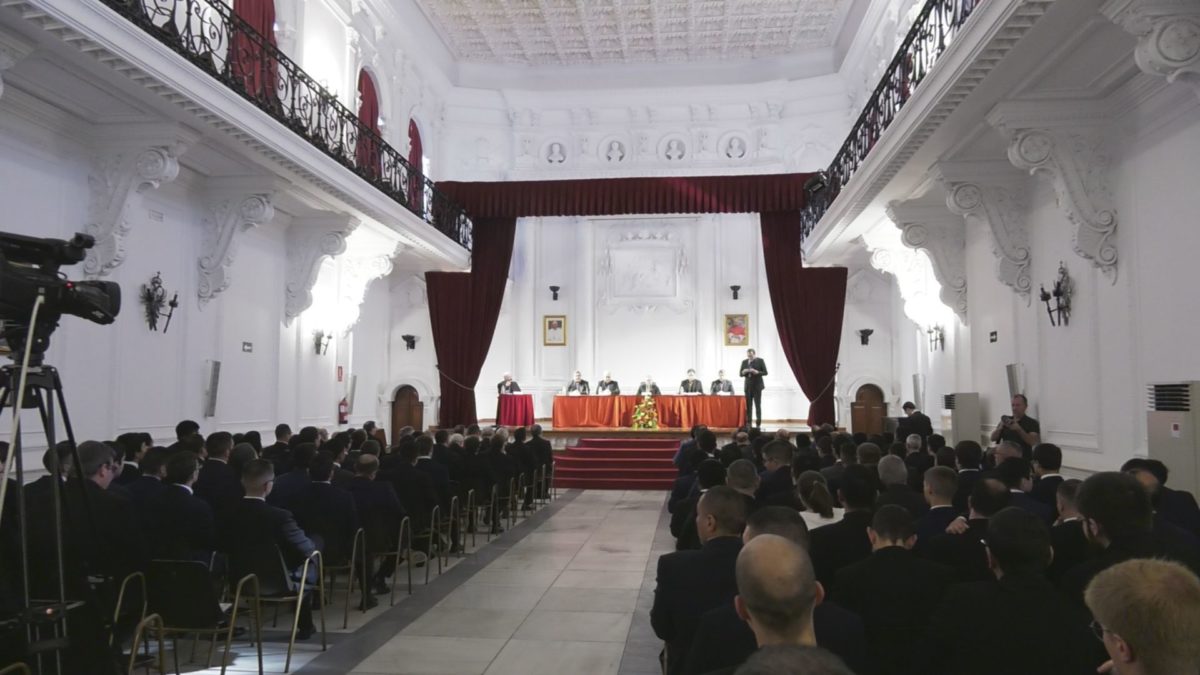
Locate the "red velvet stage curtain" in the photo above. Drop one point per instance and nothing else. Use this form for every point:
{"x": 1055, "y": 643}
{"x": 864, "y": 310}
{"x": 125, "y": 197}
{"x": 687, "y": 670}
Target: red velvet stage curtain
{"x": 366, "y": 152}
{"x": 255, "y": 67}
{"x": 416, "y": 153}
{"x": 809, "y": 305}
{"x": 463, "y": 308}
{"x": 620, "y": 196}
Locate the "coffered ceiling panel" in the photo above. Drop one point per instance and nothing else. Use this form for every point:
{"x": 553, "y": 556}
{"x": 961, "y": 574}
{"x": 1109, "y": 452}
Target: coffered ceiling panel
{"x": 586, "y": 32}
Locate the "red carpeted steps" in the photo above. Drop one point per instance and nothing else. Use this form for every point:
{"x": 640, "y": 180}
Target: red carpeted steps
{"x": 617, "y": 464}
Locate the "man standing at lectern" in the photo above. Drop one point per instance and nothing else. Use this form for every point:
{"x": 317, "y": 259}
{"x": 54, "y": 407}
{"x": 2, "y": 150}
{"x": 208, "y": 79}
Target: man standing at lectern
{"x": 753, "y": 370}
{"x": 508, "y": 385}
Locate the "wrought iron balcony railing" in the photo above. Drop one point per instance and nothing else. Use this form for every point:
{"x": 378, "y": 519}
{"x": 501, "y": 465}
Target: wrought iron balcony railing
{"x": 209, "y": 35}
{"x": 932, "y": 31}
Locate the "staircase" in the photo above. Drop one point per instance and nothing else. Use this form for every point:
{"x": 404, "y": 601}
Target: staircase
{"x": 617, "y": 464}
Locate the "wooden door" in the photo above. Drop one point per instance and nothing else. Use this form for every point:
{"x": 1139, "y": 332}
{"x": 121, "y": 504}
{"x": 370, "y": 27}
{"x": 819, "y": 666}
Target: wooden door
{"x": 868, "y": 410}
{"x": 407, "y": 410}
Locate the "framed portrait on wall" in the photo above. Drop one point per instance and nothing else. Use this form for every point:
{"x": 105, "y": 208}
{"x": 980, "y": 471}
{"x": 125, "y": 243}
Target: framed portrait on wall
{"x": 737, "y": 330}
{"x": 554, "y": 330}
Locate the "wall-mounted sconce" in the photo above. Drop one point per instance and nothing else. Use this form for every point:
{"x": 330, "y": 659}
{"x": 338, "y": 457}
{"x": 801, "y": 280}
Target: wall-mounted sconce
{"x": 410, "y": 341}
{"x": 154, "y": 299}
{"x": 735, "y": 288}
{"x": 321, "y": 341}
{"x": 937, "y": 338}
{"x": 1058, "y": 302}
{"x": 554, "y": 293}
{"x": 865, "y": 335}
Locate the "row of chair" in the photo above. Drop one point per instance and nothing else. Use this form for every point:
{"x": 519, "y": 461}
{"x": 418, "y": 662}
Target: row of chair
{"x": 178, "y": 598}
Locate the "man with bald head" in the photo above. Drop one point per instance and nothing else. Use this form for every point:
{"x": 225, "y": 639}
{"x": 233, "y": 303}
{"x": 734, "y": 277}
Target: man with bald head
{"x": 695, "y": 581}
{"x": 777, "y": 591}
{"x": 724, "y": 640}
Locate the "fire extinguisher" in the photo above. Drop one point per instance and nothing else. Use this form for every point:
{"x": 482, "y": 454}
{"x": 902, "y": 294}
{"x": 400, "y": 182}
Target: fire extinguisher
{"x": 343, "y": 411}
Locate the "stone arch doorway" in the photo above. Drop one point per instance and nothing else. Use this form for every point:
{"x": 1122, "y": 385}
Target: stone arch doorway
{"x": 868, "y": 410}
{"x": 407, "y": 410}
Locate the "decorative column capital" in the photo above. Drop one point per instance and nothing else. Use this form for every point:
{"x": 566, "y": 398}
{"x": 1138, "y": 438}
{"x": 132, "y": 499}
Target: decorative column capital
{"x": 992, "y": 194}
{"x": 1168, "y": 35}
{"x": 357, "y": 273}
{"x": 942, "y": 235}
{"x": 127, "y": 160}
{"x": 310, "y": 240}
{"x": 234, "y": 205}
{"x": 1065, "y": 144}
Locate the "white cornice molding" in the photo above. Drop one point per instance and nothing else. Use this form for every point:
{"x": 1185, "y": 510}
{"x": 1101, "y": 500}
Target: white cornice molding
{"x": 993, "y": 194}
{"x": 128, "y": 159}
{"x": 942, "y": 235}
{"x": 1071, "y": 151}
{"x": 1168, "y": 36}
{"x": 232, "y": 207}
{"x": 310, "y": 240}
{"x": 13, "y": 50}
{"x": 357, "y": 273}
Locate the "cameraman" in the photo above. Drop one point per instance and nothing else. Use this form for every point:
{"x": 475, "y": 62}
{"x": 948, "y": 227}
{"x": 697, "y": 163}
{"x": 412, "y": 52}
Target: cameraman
{"x": 1019, "y": 427}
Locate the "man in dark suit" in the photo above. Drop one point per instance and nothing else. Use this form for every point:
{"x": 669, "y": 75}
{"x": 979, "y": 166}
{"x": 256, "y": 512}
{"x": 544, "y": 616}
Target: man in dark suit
{"x": 1118, "y": 518}
{"x": 180, "y": 525}
{"x": 218, "y": 484}
{"x": 845, "y": 542}
{"x": 329, "y": 512}
{"x": 690, "y": 583}
{"x": 691, "y": 385}
{"x": 277, "y": 452}
{"x": 380, "y": 511}
{"x": 724, "y": 640}
{"x": 893, "y": 591}
{"x": 1177, "y": 507}
{"x": 153, "y": 470}
{"x": 914, "y": 422}
{"x": 608, "y": 386}
{"x": 440, "y": 452}
{"x": 578, "y": 385}
{"x": 847, "y": 455}
{"x": 777, "y": 591}
{"x": 648, "y": 387}
{"x": 743, "y": 477}
{"x": 1013, "y": 621}
{"x": 709, "y": 474}
{"x": 1047, "y": 461}
{"x": 415, "y": 488}
{"x": 968, "y": 456}
{"x": 753, "y": 369}
{"x": 1071, "y": 546}
{"x": 941, "y": 482}
{"x": 183, "y": 431}
{"x": 893, "y": 473}
{"x": 964, "y": 552}
{"x": 777, "y": 474}
{"x": 291, "y": 486}
{"x": 257, "y": 533}
{"x": 133, "y": 447}
{"x": 435, "y": 470}
{"x": 1017, "y": 476}
{"x": 721, "y": 385}
{"x": 543, "y": 452}
{"x": 508, "y": 385}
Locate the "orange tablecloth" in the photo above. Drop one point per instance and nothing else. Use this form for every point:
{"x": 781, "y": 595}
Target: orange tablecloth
{"x": 514, "y": 410}
{"x": 680, "y": 412}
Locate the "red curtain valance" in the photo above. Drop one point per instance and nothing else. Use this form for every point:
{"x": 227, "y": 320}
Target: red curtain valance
{"x": 621, "y": 196}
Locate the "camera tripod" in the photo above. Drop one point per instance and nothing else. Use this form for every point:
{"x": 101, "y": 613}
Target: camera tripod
{"x": 44, "y": 619}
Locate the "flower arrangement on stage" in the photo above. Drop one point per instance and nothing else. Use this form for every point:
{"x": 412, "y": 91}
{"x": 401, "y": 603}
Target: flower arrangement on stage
{"x": 645, "y": 415}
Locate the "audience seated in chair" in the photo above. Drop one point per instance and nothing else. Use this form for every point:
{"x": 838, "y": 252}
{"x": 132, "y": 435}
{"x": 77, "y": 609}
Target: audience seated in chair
{"x": 793, "y": 660}
{"x": 683, "y": 526}
{"x": 380, "y": 511}
{"x": 1176, "y": 507}
{"x": 941, "y": 484}
{"x": 1013, "y": 622}
{"x": 1017, "y": 476}
{"x": 777, "y": 470}
{"x": 1071, "y": 546}
{"x": 845, "y": 542}
{"x": 742, "y": 476}
{"x": 690, "y": 583}
{"x": 218, "y": 484}
{"x": 724, "y": 640}
{"x": 964, "y": 552}
{"x": 968, "y": 457}
{"x": 893, "y": 475}
{"x": 291, "y": 486}
{"x": 180, "y": 525}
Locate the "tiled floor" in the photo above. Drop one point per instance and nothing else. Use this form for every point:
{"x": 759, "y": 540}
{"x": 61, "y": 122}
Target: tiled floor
{"x": 568, "y": 591}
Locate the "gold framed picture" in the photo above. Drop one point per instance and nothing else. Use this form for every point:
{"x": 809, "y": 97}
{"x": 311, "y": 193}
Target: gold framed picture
{"x": 737, "y": 330}
{"x": 554, "y": 330}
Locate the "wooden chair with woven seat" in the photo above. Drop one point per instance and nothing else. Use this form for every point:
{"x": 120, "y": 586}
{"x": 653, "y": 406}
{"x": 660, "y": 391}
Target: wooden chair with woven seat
{"x": 402, "y": 552}
{"x": 181, "y": 594}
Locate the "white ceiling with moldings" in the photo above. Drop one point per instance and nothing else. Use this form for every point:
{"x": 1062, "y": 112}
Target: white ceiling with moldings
{"x": 603, "y": 32}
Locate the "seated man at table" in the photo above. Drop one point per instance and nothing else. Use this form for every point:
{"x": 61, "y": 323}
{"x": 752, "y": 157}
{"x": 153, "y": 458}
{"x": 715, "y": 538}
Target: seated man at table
{"x": 608, "y": 386}
{"x": 508, "y": 385}
{"x": 648, "y": 387}
{"x": 721, "y": 385}
{"x": 691, "y": 385}
{"x": 578, "y": 385}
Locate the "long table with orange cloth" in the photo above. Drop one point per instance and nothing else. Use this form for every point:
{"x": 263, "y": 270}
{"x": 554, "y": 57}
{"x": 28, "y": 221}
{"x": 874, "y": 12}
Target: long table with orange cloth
{"x": 676, "y": 412}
